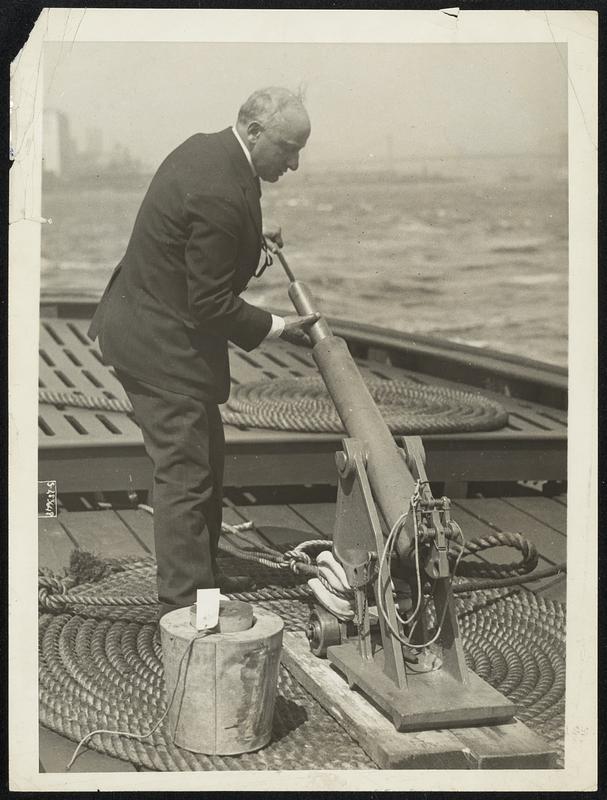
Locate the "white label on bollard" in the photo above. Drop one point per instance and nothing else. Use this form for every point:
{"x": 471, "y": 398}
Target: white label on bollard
{"x": 207, "y": 608}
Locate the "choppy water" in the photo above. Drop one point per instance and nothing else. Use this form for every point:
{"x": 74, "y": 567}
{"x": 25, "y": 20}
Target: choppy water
{"x": 480, "y": 259}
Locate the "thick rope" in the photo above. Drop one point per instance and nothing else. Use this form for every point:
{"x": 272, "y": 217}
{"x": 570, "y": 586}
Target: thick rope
{"x": 104, "y": 674}
{"x": 98, "y": 676}
{"x": 528, "y": 562}
{"x": 528, "y": 673}
{"x": 61, "y": 595}
{"x": 303, "y": 404}
{"x": 76, "y": 399}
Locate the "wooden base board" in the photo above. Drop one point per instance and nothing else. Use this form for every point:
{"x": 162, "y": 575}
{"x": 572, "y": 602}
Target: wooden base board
{"x": 508, "y": 746}
{"x": 433, "y": 699}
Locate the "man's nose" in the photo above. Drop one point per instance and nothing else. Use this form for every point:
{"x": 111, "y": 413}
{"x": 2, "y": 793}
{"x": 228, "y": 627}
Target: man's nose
{"x": 293, "y": 162}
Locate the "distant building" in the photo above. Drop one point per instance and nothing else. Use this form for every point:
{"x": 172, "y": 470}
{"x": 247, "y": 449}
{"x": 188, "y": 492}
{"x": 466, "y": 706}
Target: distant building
{"x": 58, "y": 148}
{"x": 62, "y": 160}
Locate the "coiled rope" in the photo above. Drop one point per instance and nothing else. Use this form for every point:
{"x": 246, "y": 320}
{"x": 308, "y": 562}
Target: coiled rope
{"x": 100, "y": 670}
{"x": 303, "y": 404}
{"x": 76, "y": 399}
{"x": 72, "y": 593}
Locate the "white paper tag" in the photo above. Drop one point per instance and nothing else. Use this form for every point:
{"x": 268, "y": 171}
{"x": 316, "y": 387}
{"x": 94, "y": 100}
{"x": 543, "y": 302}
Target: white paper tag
{"x": 207, "y": 608}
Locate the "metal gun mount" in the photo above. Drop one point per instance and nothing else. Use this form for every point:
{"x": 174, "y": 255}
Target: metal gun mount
{"x": 391, "y": 662}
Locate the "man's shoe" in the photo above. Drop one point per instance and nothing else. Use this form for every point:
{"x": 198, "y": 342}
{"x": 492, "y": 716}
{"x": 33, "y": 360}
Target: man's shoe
{"x": 233, "y": 584}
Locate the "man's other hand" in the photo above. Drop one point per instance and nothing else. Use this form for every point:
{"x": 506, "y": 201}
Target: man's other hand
{"x": 273, "y": 233}
{"x": 295, "y": 327}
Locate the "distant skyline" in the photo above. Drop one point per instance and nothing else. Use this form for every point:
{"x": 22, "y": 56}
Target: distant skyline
{"x": 368, "y": 103}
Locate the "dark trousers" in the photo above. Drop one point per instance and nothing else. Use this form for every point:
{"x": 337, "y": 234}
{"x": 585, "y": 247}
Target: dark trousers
{"x": 184, "y": 438}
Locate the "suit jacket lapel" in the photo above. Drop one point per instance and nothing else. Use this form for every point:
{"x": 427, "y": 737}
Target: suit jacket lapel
{"x": 252, "y": 197}
{"x": 244, "y": 173}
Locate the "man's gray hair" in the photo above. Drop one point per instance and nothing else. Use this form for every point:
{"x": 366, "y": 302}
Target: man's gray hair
{"x": 265, "y": 104}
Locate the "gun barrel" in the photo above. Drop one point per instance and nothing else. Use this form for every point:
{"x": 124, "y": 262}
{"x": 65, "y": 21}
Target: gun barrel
{"x": 390, "y": 479}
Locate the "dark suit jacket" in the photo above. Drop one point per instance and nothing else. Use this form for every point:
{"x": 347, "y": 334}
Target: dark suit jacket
{"x": 172, "y": 303}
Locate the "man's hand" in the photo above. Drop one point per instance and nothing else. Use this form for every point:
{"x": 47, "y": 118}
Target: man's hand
{"x": 294, "y": 330}
{"x": 274, "y": 235}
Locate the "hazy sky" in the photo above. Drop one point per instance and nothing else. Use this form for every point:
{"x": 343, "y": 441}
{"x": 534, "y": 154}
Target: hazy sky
{"x": 431, "y": 99}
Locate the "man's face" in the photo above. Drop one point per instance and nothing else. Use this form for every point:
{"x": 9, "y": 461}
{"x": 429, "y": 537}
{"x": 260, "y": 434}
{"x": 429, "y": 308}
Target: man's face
{"x": 275, "y": 148}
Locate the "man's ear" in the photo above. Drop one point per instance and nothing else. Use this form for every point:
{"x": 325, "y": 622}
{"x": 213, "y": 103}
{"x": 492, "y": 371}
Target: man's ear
{"x": 254, "y": 130}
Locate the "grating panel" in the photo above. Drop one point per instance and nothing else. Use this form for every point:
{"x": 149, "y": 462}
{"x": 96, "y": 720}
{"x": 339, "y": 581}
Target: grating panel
{"x": 63, "y": 342}
{"x": 70, "y": 361}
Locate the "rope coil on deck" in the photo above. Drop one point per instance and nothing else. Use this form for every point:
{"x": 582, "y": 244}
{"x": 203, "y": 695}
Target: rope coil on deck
{"x": 101, "y": 668}
{"x": 303, "y": 404}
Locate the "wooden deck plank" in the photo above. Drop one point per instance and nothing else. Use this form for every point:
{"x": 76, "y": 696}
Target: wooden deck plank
{"x": 102, "y": 532}
{"x": 141, "y": 525}
{"x": 551, "y": 588}
{"x": 55, "y": 752}
{"x": 276, "y": 515}
{"x": 232, "y": 516}
{"x": 247, "y": 539}
{"x": 504, "y": 517}
{"x": 320, "y": 516}
{"x": 511, "y": 745}
{"x": 54, "y": 544}
{"x": 472, "y": 528}
{"x": 495, "y": 555}
{"x": 543, "y": 509}
{"x": 375, "y": 734}
{"x": 279, "y": 525}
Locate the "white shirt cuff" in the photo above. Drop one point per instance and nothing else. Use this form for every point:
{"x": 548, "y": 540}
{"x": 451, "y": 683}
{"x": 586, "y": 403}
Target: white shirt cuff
{"x": 278, "y": 326}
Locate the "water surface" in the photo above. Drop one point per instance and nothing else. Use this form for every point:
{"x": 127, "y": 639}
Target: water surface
{"x": 480, "y": 258}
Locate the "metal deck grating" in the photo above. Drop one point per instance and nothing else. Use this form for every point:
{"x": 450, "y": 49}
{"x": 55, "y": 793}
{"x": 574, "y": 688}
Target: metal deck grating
{"x": 70, "y": 361}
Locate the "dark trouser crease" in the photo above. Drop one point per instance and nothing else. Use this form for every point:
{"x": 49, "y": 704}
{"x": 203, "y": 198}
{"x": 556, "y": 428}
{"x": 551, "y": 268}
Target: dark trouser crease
{"x": 184, "y": 438}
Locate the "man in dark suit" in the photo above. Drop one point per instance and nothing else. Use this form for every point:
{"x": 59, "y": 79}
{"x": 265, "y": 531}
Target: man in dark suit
{"x": 173, "y": 304}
